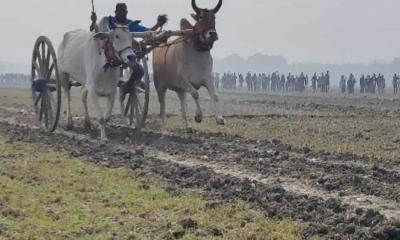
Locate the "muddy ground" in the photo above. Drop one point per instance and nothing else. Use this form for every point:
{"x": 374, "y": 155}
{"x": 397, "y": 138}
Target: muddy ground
{"x": 328, "y": 161}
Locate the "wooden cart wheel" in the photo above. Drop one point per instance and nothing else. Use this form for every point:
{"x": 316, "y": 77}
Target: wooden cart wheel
{"x": 46, "y": 86}
{"x": 137, "y": 105}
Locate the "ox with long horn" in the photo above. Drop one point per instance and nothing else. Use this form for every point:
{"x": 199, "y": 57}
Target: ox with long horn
{"x": 186, "y": 64}
{"x": 195, "y": 8}
{"x": 198, "y": 10}
{"x": 218, "y": 7}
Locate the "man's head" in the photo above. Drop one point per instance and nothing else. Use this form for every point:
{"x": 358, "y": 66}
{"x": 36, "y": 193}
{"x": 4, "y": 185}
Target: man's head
{"x": 121, "y": 13}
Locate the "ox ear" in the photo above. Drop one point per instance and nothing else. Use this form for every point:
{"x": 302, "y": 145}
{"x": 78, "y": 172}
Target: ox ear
{"x": 195, "y": 17}
{"x": 185, "y": 24}
{"x": 101, "y": 36}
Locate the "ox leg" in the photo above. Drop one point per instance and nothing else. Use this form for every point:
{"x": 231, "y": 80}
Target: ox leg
{"x": 182, "y": 98}
{"x": 161, "y": 99}
{"x": 187, "y": 86}
{"x": 199, "y": 114}
{"x": 218, "y": 117}
{"x": 86, "y": 123}
{"x": 122, "y": 97}
{"x": 110, "y": 105}
{"x": 100, "y": 117}
{"x": 67, "y": 89}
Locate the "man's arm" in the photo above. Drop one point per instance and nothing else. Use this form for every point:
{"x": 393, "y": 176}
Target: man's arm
{"x": 161, "y": 20}
{"x": 94, "y": 27}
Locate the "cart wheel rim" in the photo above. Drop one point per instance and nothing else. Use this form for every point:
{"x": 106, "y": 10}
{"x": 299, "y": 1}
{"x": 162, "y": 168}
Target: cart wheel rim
{"x": 45, "y": 84}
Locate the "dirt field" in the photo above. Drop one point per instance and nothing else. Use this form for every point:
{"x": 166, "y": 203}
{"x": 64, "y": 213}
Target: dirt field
{"x": 329, "y": 162}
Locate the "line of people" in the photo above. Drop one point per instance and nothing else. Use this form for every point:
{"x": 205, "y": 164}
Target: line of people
{"x": 370, "y": 84}
{"x": 321, "y": 83}
{"x": 274, "y": 82}
{"x": 14, "y": 79}
{"x": 347, "y": 84}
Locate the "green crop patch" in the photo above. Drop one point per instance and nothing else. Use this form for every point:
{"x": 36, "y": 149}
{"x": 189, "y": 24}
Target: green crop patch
{"x": 48, "y": 195}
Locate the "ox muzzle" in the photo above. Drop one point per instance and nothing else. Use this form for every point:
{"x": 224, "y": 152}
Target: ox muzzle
{"x": 128, "y": 56}
{"x": 212, "y": 36}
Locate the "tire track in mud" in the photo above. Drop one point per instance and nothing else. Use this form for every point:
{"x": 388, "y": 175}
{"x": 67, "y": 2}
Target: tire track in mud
{"x": 227, "y": 166}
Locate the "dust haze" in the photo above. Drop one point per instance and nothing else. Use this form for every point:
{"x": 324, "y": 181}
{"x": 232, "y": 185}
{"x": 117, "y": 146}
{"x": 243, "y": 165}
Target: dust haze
{"x": 318, "y": 31}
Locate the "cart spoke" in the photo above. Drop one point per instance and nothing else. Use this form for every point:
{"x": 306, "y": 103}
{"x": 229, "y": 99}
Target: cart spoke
{"x": 36, "y": 67}
{"x": 49, "y": 71}
{"x": 132, "y": 110}
{"x": 41, "y": 109}
{"x": 38, "y": 97}
{"x": 46, "y": 110}
{"x": 139, "y": 104}
{"x": 47, "y": 59}
{"x": 138, "y": 113}
{"x": 127, "y": 107}
{"x": 43, "y": 53}
{"x": 50, "y": 102}
{"x": 37, "y": 56}
{"x": 133, "y": 114}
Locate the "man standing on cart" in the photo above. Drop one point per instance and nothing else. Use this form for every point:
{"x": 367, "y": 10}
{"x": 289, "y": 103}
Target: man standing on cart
{"x": 120, "y": 18}
{"x": 121, "y": 13}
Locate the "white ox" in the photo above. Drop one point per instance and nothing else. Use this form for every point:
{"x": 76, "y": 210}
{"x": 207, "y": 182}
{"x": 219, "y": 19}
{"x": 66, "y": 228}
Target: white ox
{"x": 81, "y": 58}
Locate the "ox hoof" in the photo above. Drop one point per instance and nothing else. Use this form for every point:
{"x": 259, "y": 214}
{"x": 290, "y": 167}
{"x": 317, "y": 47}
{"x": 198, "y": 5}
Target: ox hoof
{"x": 198, "y": 118}
{"x": 220, "y": 121}
{"x": 70, "y": 126}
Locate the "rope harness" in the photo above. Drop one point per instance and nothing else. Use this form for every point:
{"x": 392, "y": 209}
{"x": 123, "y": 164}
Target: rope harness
{"x": 111, "y": 55}
{"x": 174, "y": 42}
{"x": 197, "y": 44}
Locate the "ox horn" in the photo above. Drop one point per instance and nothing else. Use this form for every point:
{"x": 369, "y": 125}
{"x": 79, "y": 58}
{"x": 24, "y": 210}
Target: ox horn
{"x": 218, "y": 7}
{"x": 194, "y": 6}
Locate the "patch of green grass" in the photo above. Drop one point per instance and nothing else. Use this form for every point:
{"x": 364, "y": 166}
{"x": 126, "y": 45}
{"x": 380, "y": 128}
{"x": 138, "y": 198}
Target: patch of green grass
{"x": 49, "y": 195}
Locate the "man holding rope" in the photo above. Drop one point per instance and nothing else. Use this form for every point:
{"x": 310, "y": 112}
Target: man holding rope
{"x": 120, "y": 18}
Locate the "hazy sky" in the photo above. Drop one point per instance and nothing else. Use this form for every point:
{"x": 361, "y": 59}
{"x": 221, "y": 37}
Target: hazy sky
{"x": 328, "y": 31}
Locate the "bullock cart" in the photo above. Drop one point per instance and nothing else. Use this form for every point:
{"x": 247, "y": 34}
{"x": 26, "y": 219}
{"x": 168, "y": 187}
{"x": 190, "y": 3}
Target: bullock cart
{"x": 46, "y": 83}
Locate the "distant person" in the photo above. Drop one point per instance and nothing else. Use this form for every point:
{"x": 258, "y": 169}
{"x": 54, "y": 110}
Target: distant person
{"x": 327, "y": 81}
{"x": 248, "y": 82}
{"x": 342, "y": 84}
{"x": 396, "y": 83}
{"x": 314, "y": 80}
{"x": 350, "y": 84}
{"x": 362, "y": 84}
